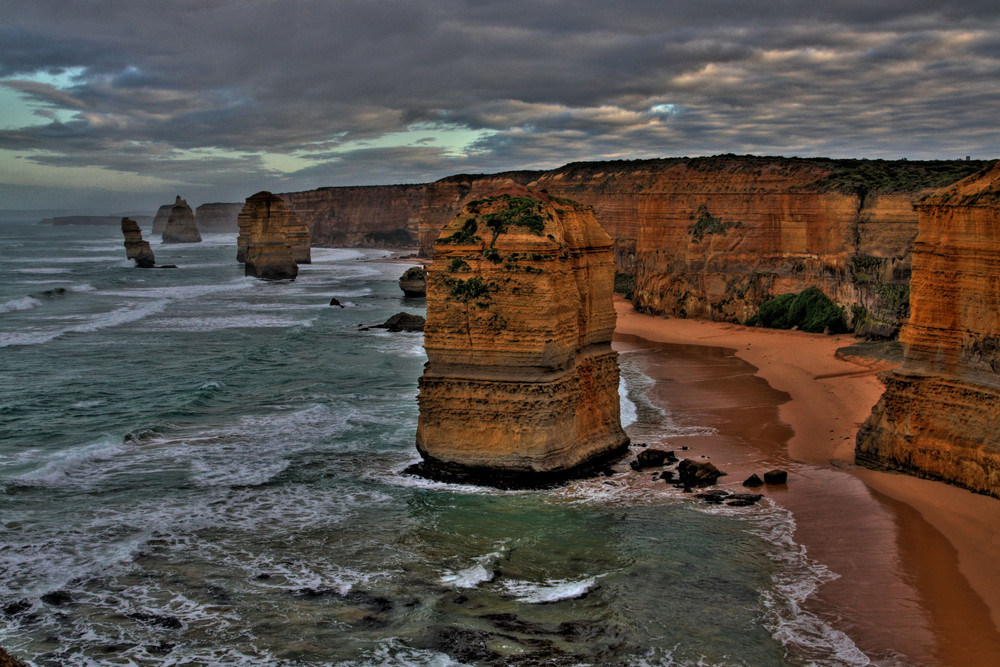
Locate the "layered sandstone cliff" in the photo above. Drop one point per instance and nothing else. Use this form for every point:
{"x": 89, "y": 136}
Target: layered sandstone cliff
{"x": 181, "y": 227}
{"x": 217, "y": 217}
{"x": 939, "y": 414}
{"x": 715, "y": 237}
{"x": 135, "y": 248}
{"x": 373, "y": 216}
{"x": 263, "y": 244}
{"x": 521, "y": 384}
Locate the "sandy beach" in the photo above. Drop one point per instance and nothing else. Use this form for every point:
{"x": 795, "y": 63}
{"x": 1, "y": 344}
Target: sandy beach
{"x": 914, "y": 558}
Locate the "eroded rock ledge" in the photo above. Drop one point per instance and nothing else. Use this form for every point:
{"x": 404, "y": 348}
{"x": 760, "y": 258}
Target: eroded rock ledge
{"x": 939, "y": 414}
{"x": 521, "y": 384}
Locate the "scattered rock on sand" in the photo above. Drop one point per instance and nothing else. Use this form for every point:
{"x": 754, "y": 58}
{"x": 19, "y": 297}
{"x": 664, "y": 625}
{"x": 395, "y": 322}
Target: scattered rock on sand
{"x": 698, "y": 474}
{"x": 652, "y": 458}
{"x": 775, "y": 477}
{"x": 753, "y": 481}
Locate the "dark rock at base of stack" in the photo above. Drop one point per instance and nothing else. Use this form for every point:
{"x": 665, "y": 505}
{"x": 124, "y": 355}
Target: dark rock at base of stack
{"x": 697, "y": 474}
{"x": 135, "y": 248}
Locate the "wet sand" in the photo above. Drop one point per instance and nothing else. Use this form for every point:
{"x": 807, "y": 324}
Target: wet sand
{"x": 916, "y": 583}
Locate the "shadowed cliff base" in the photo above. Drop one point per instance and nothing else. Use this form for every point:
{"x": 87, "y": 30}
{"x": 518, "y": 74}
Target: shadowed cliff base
{"x": 513, "y": 479}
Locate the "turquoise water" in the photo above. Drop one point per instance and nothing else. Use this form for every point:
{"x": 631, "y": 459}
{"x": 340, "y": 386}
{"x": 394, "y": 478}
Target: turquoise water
{"x": 201, "y": 468}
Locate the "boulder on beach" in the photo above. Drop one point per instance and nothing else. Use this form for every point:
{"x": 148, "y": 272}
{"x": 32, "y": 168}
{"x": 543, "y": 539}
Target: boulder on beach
{"x": 653, "y": 458}
{"x": 775, "y": 477}
{"x": 696, "y": 474}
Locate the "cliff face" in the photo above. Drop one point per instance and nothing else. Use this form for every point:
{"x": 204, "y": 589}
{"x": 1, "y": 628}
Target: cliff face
{"x": 135, "y": 248}
{"x": 715, "y": 237}
{"x": 263, "y": 243}
{"x": 372, "y": 216}
{"x": 217, "y": 217}
{"x": 521, "y": 384}
{"x": 939, "y": 414}
{"x": 181, "y": 227}
{"x": 161, "y": 217}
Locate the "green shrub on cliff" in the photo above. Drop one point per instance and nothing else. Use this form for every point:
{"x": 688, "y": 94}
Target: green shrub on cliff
{"x": 809, "y": 310}
{"x": 624, "y": 284}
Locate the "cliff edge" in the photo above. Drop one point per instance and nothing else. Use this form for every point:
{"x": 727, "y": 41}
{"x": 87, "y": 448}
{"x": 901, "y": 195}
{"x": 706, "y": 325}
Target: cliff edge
{"x": 938, "y": 416}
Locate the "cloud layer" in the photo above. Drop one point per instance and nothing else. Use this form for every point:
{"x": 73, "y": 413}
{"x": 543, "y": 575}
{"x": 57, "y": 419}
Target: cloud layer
{"x": 226, "y": 97}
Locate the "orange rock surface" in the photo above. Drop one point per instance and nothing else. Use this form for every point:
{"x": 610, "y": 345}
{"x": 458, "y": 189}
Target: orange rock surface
{"x": 135, "y": 248}
{"x": 521, "y": 384}
{"x": 263, "y": 243}
{"x": 939, "y": 414}
{"x": 715, "y": 237}
{"x": 373, "y": 216}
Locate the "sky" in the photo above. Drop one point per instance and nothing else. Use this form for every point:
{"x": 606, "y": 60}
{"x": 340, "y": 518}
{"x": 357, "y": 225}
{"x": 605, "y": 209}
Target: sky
{"x": 117, "y": 105}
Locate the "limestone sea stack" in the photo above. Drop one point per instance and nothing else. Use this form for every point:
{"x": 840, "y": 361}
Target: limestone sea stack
{"x": 181, "y": 227}
{"x": 263, "y": 244}
{"x": 940, "y": 412}
{"x": 135, "y": 248}
{"x": 521, "y": 384}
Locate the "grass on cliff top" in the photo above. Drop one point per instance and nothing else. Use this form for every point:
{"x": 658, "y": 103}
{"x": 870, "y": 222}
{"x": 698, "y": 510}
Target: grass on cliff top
{"x": 809, "y": 310}
{"x": 850, "y": 176}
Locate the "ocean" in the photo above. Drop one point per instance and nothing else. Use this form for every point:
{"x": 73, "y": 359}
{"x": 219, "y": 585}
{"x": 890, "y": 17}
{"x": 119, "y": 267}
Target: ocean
{"x": 198, "y": 468}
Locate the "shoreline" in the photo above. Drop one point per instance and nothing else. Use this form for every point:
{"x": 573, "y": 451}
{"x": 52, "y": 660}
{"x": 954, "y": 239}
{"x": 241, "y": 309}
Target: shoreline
{"x": 914, "y": 557}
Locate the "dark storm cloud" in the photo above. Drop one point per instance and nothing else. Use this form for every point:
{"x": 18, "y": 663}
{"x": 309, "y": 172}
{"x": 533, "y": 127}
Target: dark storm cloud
{"x": 546, "y": 82}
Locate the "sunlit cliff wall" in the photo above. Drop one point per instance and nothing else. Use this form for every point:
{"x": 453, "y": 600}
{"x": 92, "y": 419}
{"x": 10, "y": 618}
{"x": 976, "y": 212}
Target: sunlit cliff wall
{"x": 940, "y": 414}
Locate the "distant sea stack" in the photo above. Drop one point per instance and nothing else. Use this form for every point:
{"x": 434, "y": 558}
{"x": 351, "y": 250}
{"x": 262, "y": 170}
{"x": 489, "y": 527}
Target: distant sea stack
{"x": 135, "y": 248}
{"x": 160, "y": 219}
{"x": 940, "y": 412}
{"x": 521, "y": 384}
{"x": 218, "y": 217}
{"x": 181, "y": 227}
{"x": 263, "y": 243}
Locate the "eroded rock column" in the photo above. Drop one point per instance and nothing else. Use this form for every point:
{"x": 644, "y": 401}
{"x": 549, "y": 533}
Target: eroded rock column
{"x": 521, "y": 384}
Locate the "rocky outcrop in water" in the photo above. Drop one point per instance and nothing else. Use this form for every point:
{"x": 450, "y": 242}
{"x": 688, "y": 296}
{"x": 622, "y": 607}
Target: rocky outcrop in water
{"x": 413, "y": 282}
{"x": 217, "y": 217}
{"x": 263, "y": 244}
{"x": 181, "y": 227}
{"x": 135, "y": 248}
{"x": 521, "y": 384}
{"x": 939, "y": 414}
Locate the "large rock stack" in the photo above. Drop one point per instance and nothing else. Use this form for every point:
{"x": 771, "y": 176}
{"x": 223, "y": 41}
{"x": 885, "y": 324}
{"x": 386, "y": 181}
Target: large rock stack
{"x": 263, "y": 244}
{"x": 938, "y": 417}
{"x": 181, "y": 227}
{"x": 521, "y": 384}
{"x": 135, "y": 248}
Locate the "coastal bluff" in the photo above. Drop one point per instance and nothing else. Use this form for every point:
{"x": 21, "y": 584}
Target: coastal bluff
{"x": 939, "y": 414}
{"x": 715, "y": 237}
{"x": 521, "y": 384}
